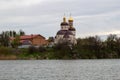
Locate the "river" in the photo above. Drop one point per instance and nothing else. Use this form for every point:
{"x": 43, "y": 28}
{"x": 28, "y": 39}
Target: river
{"x": 108, "y": 69}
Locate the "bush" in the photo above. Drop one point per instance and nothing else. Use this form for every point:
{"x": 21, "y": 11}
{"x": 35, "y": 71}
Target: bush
{"x": 5, "y": 51}
{"x": 41, "y": 49}
{"x": 32, "y": 50}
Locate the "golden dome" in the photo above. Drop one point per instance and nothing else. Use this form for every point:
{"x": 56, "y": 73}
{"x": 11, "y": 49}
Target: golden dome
{"x": 70, "y": 19}
{"x": 64, "y": 19}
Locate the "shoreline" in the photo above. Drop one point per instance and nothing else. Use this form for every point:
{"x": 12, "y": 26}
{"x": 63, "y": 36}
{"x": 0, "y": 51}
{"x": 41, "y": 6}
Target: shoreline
{"x": 29, "y": 58}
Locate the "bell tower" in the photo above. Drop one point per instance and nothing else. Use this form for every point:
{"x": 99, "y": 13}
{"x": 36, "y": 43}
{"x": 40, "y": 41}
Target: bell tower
{"x": 71, "y": 28}
{"x": 64, "y": 24}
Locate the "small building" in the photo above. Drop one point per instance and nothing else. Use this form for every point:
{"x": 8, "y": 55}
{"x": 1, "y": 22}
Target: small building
{"x": 34, "y": 40}
{"x": 30, "y": 40}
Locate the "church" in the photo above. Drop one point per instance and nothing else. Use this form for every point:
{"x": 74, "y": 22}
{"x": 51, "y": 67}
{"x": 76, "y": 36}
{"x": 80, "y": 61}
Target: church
{"x": 67, "y": 32}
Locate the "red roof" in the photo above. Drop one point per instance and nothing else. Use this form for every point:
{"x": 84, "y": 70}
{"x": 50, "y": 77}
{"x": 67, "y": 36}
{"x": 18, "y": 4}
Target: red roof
{"x": 29, "y": 36}
{"x": 26, "y": 37}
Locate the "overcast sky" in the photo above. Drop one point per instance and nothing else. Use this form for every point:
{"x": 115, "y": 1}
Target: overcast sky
{"x": 91, "y": 17}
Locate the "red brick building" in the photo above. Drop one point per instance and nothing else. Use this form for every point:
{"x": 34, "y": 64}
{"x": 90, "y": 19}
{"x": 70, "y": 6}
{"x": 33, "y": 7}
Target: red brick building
{"x": 35, "y": 40}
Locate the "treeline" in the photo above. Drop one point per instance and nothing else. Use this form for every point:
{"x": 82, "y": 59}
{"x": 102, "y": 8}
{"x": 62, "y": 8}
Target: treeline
{"x": 89, "y": 48}
{"x": 13, "y": 33}
{"x": 6, "y": 36}
{"x": 94, "y": 47}
{"x": 86, "y": 48}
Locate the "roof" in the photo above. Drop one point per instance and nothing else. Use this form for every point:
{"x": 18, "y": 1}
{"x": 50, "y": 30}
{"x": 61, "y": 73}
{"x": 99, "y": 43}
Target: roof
{"x": 64, "y": 23}
{"x": 68, "y": 33}
{"x": 26, "y": 37}
{"x": 72, "y": 29}
{"x": 30, "y": 36}
{"x": 64, "y": 32}
{"x": 61, "y": 32}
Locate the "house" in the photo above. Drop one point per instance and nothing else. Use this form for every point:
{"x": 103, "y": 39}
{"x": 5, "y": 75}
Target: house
{"x": 34, "y": 40}
{"x": 31, "y": 40}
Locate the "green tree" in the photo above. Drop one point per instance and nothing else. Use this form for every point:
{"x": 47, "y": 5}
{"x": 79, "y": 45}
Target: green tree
{"x": 14, "y": 34}
{"x": 21, "y": 33}
{"x": 63, "y": 51}
{"x": 16, "y": 41}
{"x": 4, "y": 40}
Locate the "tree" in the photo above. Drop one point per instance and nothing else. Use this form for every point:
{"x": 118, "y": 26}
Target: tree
{"x": 14, "y": 34}
{"x": 21, "y": 33}
{"x": 51, "y": 39}
{"x": 4, "y": 40}
{"x": 111, "y": 42}
{"x": 11, "y": 34}
{"x": 16, "y": 41}
{"x": 63, "y": 51}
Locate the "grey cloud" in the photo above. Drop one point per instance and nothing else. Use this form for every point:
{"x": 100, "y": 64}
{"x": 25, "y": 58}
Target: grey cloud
{"x": 40, "y": 16}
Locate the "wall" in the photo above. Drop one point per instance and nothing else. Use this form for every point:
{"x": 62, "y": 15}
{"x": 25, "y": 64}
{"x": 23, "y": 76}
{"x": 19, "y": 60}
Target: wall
{"x": 38, "y": 41}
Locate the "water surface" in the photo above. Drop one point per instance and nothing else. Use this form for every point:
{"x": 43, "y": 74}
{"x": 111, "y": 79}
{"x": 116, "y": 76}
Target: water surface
{"x": 60, "y": 69}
